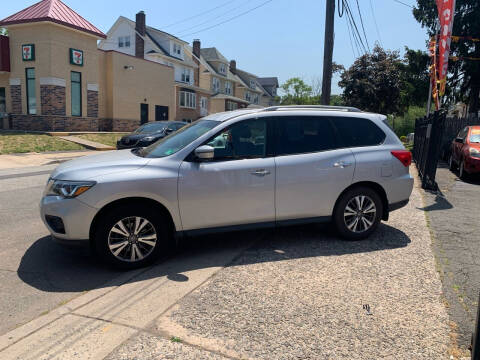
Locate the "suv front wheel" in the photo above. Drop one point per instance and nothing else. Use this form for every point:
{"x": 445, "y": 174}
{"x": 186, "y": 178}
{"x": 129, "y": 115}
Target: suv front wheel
{"x": 131, "y": 237}
{"x": 358, "y": 213}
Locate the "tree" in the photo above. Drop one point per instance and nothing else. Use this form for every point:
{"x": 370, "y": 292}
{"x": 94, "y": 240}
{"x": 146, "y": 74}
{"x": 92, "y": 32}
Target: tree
{"x": 3, "y": 31}
{"x": 297, "y": 92}
{"x": 464, "y": 80}
{"x": 415, "y": 78}
{"x": 373, "y": 82}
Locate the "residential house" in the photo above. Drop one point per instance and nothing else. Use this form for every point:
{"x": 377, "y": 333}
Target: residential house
{"x": 270, "y": 86}
{"x": 214, "y": 74}
{"x": 249, "y": 88}
{"x": 137, "y": 39}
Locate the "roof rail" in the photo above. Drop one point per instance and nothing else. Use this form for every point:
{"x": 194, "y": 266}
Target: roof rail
{"x": 313, "y": 107}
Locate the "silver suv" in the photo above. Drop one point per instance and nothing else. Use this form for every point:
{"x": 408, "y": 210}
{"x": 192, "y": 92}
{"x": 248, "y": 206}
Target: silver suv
{"x": 236, "y": 170}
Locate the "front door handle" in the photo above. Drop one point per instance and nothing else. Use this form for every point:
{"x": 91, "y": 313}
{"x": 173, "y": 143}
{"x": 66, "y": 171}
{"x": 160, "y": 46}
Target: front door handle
{"x": 261, "y": 172}
{"x": 342, "y": 164}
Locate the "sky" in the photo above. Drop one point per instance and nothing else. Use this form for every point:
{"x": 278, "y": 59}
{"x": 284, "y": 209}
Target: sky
{"x": 282, "y": 38}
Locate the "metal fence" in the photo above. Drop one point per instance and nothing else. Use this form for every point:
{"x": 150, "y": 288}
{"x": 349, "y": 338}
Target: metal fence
{"x": 451, "y": 128}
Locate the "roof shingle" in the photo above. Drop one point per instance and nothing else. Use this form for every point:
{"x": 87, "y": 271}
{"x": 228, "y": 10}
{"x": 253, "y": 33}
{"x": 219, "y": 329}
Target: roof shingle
{"x": 54, "y": 11}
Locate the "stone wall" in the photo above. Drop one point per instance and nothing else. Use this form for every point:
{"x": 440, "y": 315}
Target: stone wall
{"x": 53, "y": 123}
{"x": 53, "y": 100}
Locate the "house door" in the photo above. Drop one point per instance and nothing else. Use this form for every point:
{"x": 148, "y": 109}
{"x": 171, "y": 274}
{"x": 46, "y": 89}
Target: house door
{"x": 161, "y": 112}
{"x": 143, "y": 113}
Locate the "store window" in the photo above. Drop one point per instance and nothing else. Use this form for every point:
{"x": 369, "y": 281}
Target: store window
{"x": 76, "y": 79}
{"x": 31, "y": 96}
{"x": 3, "y": 103}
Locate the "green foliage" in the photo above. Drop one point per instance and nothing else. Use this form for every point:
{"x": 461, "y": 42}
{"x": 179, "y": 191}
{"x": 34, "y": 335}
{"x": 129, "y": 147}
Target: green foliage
{"x": 405, "y": 124}
{"x": 3, "y": 31}
{"x": 373, "y": 82}
{"x": 415, "y": 78}
{"x": 463, "y": 83}
{"x": 403, "y": 138}
{"x": 297, "y": 92}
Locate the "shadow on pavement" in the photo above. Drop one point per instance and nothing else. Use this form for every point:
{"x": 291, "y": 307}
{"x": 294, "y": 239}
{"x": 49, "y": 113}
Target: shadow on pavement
{"x": 51, "y": 267}
{"x": 440, "y": 202}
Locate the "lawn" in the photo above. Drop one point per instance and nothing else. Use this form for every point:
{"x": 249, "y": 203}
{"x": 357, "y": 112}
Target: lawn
{"x": 106, "y": 139}
{"x": 19, "y": 142}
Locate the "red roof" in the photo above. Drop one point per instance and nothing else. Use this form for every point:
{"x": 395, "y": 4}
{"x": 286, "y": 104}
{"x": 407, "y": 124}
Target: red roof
{"x": 54, "y": 11}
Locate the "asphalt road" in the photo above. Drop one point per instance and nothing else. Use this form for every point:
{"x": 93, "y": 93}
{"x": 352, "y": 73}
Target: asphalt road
{"x": 36, "y": 275}
{"x": 453, "y": 214}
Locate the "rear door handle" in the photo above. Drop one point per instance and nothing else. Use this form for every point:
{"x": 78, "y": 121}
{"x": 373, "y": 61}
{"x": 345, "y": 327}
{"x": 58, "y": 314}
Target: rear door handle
{"x": 342, "y": 164}
{"x": 261, "y": 172}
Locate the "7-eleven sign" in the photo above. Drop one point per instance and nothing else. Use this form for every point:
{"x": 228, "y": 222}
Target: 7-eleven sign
{"x": 76, "y": 57}
{"x": 28, "y": 52}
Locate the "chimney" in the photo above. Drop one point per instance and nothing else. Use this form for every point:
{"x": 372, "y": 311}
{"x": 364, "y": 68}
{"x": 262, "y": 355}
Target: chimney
{"x": 233, "y": 67}
{"x": 196, "y": 48}
{"x": 140, "y": 28}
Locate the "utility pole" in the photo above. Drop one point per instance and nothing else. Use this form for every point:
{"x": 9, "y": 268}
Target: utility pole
{"x": 328, "y": 52}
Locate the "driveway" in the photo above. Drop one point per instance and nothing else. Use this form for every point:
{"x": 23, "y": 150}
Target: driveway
{"x": 454, "y": 217}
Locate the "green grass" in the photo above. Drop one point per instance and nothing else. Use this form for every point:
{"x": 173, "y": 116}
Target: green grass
{"x": 175, "y": 339}
{"x": 20, "y": 142}
{"x": 106, "y": 139}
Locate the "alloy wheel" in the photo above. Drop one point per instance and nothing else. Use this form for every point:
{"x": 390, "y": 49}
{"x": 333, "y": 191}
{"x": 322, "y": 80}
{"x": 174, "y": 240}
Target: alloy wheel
{"x": 360, "y": 213}
{"x": 132, "y": 239}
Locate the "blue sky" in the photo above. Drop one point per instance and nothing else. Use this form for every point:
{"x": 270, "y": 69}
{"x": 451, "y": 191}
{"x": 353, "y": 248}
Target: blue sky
{"x": 283, "y": 38}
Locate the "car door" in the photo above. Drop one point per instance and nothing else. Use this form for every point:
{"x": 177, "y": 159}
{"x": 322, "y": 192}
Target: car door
{"x": 236, "y": 187}
{"x": 311, "y": 170}
{"x": 458, "y": 146}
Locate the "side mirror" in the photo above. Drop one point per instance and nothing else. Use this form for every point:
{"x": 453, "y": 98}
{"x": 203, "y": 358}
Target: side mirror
{"x": 459, "y": 140}
{"x": 205, "y": 152}
{"x": 169, "y": 131}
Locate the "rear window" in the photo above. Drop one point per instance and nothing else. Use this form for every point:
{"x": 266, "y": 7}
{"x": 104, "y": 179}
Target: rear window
{"x": 355, "y": 132}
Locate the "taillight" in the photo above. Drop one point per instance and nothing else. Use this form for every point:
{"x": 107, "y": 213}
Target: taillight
{"x": 404, "y": 156}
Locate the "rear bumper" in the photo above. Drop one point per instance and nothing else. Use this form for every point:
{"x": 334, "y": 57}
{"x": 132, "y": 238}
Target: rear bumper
{"x": 472, "y": 165}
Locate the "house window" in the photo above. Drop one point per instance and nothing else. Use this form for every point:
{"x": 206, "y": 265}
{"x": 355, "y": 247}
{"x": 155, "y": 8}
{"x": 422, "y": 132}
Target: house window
{"x": 76, "y": 80}
{"x": 223, "y": 68}
{"x": 216, "y": 85}
{"x": 31, "y": 97}
{"x": 274, "y": 91}
{"x": 232, "y": 106}
{"x": 3, "y": 103}
{"x": 255, "y": 99}
{"x": 228, "y": 87}
{"x": 248, "y": 96}
{"x": 188, "y": 100}
{"x": 204, "y": 103}
{"x": 177, "y": 49}
{"x": 124, "y": 41}
{"x": 186, "y": 75}
{"x": 252, "y": 83}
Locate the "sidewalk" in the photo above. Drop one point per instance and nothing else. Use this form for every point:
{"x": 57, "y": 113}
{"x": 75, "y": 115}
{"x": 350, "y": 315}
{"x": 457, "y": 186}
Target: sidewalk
{"x": 13, "y": 161}
{"x": 297, "y": 293}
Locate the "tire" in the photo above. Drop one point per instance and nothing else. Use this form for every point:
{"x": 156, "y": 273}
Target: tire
{"x": 462, "y": 174}
{"x": 367, "y": 222}
{"x": 130, "y": 237}
{"x": 451, "y": 163}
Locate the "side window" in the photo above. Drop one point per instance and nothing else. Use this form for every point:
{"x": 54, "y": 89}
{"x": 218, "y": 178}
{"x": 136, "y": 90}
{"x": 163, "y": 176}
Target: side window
{"x": 304, "y": 134}
{"x": 355, "y": 132}
{"x": 243, "y": 140}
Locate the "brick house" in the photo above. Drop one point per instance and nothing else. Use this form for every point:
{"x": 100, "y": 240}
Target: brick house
{"x": 54, "y": 78}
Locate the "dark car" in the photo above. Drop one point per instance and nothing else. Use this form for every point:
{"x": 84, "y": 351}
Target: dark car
{"x": 148, "y": 133}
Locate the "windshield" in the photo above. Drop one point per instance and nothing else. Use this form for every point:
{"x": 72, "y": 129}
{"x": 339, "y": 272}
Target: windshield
{"x": 475, "y": 137}
{"x": 178, "y": 140}
{"x": 150, "y": 128}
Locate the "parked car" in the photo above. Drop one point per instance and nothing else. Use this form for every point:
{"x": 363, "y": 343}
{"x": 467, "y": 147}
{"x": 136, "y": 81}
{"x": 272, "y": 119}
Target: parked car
{"x": 149, "y": 133}
{"x": 230, "y": 171}
{"x": 465, "y": 152}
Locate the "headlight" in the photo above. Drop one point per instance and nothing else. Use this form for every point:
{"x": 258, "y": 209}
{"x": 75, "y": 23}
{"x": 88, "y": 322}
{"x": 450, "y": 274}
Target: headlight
{"x": 474, "y": 152}
{"x": 67, "y": 189}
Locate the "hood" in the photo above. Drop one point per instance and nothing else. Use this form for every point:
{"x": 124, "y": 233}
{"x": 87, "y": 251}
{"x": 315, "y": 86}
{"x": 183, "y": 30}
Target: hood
{"x": 88, "y": 167}
{"x": 475, "y": 145}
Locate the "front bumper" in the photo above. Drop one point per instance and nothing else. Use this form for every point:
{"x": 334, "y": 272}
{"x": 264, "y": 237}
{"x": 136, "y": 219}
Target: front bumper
{"x": 75, "y": 215}
{"x": 472, "y": 165}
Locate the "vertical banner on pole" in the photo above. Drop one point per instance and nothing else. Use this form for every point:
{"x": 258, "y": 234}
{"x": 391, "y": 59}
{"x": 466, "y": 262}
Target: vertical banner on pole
{"x": 433, "y": 72}
{"x": 446, "y": 10}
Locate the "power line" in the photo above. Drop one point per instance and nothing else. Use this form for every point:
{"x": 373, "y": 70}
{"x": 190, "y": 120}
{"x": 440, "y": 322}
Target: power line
{"x": 356, "y": 54}
{"x": 212, "y": 19}
{"x": 356, "y": 33}
{"x": 230, "y": 19}
{"x": 200, "y": 14}
{"x": 376, "y": 24}
{"x": 363, "y": 27}
{"x": 401, "y": 2}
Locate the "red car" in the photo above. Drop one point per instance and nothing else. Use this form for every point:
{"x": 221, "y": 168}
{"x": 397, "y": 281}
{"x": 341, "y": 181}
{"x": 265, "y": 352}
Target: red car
{"x": 465, "y": 151}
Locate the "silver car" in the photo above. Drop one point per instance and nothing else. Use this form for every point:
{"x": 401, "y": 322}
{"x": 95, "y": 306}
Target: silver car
{"x": 235, "y": 170}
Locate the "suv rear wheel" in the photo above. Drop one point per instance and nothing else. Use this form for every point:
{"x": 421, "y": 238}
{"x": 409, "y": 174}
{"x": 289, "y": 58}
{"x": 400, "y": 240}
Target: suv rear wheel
{"x": 358, "y": 213}
{"x": 131, "y": 237}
